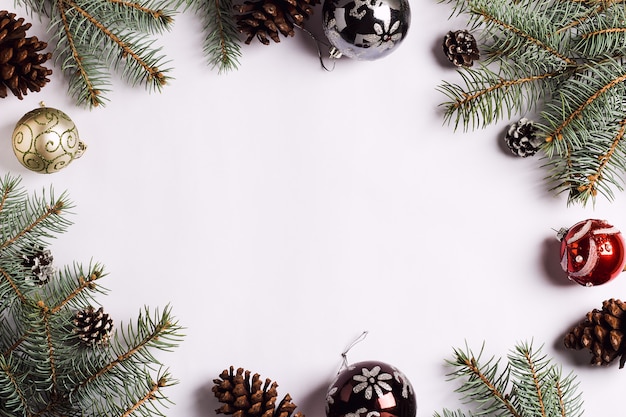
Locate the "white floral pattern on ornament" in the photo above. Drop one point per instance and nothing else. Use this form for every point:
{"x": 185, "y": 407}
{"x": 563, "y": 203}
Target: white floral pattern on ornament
{"x": 372, "y": 380}
{"x": 402, "y": 379}
{"x": 361, "y": 411}
{"x": 329, "y": 397}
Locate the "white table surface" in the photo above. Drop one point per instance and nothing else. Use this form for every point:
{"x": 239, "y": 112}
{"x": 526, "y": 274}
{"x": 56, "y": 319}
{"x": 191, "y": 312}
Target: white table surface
{"x": 282, "y": 210}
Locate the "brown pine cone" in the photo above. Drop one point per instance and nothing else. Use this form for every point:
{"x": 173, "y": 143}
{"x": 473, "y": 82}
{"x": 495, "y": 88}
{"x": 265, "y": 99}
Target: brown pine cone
{"x": 265, "y": 19}
{"x": 245, "y": 397}
{"x": 602, "y": 332}
{"x": 21, "y": 68}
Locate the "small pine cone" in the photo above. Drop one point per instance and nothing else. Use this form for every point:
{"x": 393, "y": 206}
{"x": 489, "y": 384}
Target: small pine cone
{"x": 243, "y": 396}
{"x": 460, "y": 48}
{"x": 521, "y": 138}
{"x": 602, "y": 332}
{"x": 266, "y": 19}
{"x": 39, "y": 265}
{"x": 21, "y": 68}
{"x": 93, "y": 326}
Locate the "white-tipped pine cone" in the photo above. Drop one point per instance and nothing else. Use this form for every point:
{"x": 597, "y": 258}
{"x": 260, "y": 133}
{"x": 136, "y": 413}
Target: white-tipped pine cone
{"x": 521, "y": 138}
{"x": 93, "y": 327}
{"x": 460, "y": 48}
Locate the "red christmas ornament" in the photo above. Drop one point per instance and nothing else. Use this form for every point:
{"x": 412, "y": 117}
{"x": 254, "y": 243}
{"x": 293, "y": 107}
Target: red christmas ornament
{"x": 371, "y": 389}
{"x": 592, "y": 252}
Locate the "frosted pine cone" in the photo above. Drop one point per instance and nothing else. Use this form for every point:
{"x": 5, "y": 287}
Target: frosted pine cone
{"x": 460, "y": 48}
{"x": 521, "y": 138}
{"x": 93, "y": 326}
{"x": 39, "y": 265}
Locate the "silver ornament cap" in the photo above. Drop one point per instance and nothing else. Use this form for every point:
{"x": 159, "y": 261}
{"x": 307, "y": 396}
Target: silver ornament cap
{"x": 365, "y": 29}
{"x": 46, "y": 140}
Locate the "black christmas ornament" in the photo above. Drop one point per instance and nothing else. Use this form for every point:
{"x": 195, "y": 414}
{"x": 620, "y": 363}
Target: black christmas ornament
{"x": 371, "y": 389}
{"x": 365, "y": 29}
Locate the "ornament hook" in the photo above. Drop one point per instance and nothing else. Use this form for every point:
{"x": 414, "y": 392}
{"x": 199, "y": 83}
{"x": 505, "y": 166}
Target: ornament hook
{"x": 344, "y": 354}
{"x": 333, "y": 54}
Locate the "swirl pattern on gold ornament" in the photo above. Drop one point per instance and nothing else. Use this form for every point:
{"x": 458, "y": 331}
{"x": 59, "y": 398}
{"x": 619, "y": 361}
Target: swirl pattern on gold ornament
{"x": 46, "y": 140}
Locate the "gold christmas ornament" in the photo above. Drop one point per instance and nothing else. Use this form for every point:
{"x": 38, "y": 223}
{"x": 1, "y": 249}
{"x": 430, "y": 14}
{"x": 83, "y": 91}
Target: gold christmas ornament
{"x": 46, "y": 140}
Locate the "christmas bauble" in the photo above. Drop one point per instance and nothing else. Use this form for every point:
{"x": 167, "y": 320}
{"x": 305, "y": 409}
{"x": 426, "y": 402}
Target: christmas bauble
{"x": 371, "y": 389}
{"x": 592, "y": 252}
{"x": 365, "y": 29}
{"x": 46, "y": 140}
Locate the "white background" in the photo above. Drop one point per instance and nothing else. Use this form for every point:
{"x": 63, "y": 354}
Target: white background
{"x": 282, "y": 210}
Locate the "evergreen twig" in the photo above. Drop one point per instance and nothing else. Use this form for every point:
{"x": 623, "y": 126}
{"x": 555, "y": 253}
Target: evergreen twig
{"x": 564, "y": 61}
{"x": 528, "y": 385}
{"x": 45, "y": 368}
{"x": 94, "y": 37}
{"x": 221, "y": 43}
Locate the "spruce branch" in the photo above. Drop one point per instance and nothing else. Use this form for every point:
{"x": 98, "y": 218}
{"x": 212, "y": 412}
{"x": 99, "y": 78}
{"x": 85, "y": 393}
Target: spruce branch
{"x": 529, "y": 384}
{"x": 221, "y": 43}
{"x": 48, "y": 365}
{"x": 562, "y": 60}
{"x": 94, "y": 37}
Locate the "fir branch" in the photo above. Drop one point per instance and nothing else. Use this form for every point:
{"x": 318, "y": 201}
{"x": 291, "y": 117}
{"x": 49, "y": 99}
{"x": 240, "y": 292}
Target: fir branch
{"x": 221, "y": 43}
{"x": 485, "y": 385}
{"x": 523, "y": 29}
{"x": 479, "y": 103}
{"x": 51, "y": 363}
{"x": 576, "y": 51}
{"x": 51, "y": 212}
{"x": 13, "y": 284}
{"x": 136, "y": 341}
{"x": 529, "y": 385}
{"x": 152, "y": 394}
{"x": 93, "y": 37}
{"x": 11, "y": 393}
{"x": 84, "y": 281}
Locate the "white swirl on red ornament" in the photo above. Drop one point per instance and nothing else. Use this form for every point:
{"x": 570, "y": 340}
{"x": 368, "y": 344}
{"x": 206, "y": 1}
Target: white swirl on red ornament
{"x": 580, "y": 234}
{"x": 591, "y": 262}
{"x": 607, "y": 231}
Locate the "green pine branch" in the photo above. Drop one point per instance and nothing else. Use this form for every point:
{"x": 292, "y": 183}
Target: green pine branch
{"x": 529, "y": 384}
{"x": 562, "y": 61}
{"x": 46, "y": 369}
{"x": 93, "y": 38}
{"x": 222, "y": 46}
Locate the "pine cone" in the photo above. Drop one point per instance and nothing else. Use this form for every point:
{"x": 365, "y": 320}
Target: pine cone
{"x": 602, "y": 332}
{"x": 93, "y": 326}
{"x": 245, "y": 397}
{"x": 21, "y": 68}
{"x": 267, "y": 18}
{"x": 521, "y": 138}
{"x": 460, "y": 47}
{"x": 39, "y": 265}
